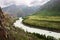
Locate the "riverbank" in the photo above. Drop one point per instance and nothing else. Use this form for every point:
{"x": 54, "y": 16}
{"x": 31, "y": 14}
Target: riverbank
{"x": 51, "y": 23}
{"x": 19, "y": 24}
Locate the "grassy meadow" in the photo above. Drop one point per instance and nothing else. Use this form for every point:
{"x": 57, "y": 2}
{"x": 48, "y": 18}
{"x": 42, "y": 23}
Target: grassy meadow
{"x": 49, "y": 22}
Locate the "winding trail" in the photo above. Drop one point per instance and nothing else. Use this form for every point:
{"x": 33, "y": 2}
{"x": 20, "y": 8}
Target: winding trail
{"x": 19, "y": 24}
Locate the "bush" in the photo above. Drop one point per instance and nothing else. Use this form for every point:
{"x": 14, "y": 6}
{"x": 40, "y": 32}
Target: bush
{"x": 50, "y": 38}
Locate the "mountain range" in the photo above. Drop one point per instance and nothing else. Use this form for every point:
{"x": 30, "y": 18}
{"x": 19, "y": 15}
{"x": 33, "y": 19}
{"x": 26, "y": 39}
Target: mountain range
{"x": 21, "y": 10}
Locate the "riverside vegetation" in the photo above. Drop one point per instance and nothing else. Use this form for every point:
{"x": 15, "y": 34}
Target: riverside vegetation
{"x": 15, "y": 33}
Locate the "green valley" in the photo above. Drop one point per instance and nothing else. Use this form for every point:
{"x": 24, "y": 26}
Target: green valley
{"x": 49, "y": 22}
{"x": 46, "y": 18}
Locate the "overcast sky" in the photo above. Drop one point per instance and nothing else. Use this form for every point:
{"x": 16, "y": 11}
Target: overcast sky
{"x": 4, "y": 3}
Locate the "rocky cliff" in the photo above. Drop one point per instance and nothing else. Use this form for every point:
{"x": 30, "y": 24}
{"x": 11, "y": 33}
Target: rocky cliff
{"x": 2, "y": 27}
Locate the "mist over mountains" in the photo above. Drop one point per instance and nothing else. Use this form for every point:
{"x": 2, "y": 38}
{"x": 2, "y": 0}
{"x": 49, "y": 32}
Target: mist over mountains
{"x": 21, "y": 7}
{"x": 21, "y": 10}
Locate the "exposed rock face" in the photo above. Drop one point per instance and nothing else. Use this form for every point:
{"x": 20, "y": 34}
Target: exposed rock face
{"x": 2, "y": 28}
{"x": 1, "y": 18}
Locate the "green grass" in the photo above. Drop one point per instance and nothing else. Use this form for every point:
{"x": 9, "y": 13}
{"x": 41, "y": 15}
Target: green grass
{"x": 48, "y": 12}
{"x": 50, "y": 22}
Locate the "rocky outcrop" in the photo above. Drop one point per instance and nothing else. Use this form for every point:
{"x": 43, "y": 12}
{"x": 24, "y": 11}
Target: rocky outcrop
{"x": 2, "y": 27}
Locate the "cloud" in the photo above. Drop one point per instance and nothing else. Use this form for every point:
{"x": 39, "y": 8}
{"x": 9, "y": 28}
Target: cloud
{"x": 31, "y": 2}
{"x": 38, "y": 2}
{"x": 4, "y": 3}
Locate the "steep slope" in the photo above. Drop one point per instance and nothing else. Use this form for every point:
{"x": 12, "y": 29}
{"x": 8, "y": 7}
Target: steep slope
{"x": 52, "y": 8}
{"x": 2, "y": 27}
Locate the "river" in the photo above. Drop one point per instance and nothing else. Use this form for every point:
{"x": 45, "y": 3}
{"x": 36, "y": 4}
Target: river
{"x": 19, "y": 24}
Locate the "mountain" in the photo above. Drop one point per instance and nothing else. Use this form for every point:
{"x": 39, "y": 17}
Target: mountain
{"x": 51, "y": 8}
{"x": 53, "y": 4}
{"x": 12, "y": 10}
{"x": 21, "y": 10}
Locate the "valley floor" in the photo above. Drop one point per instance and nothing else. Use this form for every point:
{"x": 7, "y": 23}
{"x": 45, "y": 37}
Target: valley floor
{"x": 51, "y": 23}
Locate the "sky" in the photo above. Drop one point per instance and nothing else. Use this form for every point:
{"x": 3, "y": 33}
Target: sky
{"x": 30, "y": 3}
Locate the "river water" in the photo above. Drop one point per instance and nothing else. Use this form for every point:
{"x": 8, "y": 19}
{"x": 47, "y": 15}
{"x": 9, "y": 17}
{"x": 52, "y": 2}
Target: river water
{"x": 19, "y": 24}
